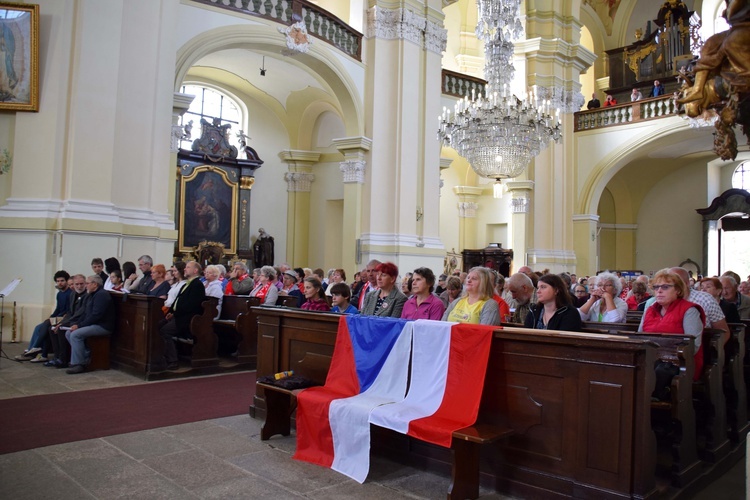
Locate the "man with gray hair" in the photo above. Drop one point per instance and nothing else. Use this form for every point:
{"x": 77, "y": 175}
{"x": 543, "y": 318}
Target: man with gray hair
{"x": 240, "y": 282}
{"x": 523, "y": 292}
{"x": 729, "y": 293}
{"x": 98, "y": 320}
{"x": 145, "y": 282}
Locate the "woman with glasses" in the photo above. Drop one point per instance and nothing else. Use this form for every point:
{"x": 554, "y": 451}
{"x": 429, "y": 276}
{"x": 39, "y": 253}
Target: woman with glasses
{"x": 387, "y": 300}
{"x": 672, "y": 314}
{"x": 604, "y": 304}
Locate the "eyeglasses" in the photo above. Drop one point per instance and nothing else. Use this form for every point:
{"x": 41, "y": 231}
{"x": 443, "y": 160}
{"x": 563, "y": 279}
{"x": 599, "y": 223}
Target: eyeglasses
{"x": 662, "y": 287}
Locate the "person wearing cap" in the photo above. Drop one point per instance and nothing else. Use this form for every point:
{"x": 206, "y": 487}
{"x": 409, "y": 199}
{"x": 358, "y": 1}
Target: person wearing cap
{"x": 290, "y": 287}
{"x": 440, "y": 288}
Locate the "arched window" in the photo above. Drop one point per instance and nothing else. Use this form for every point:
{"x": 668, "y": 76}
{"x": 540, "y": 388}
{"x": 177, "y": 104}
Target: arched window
{"x": 741, "y": 176}
{"x": 210, "y": 104}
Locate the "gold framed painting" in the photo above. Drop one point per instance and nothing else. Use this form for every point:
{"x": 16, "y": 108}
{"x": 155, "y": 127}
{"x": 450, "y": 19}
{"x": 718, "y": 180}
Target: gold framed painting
{"x": 19, "y": 57}
{"x": 208, "y": 209}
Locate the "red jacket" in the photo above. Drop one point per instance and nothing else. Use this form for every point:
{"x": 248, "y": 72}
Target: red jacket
{"x": 671, "y": 323}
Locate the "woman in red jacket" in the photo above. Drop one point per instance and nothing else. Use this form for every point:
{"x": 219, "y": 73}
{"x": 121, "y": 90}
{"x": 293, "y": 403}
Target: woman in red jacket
{"x": 672, "y": 314}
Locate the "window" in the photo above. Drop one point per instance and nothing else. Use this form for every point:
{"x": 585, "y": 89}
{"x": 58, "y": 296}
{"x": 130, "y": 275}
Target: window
{"x": 741, "y": 176}
{"x": 210, "y": 104}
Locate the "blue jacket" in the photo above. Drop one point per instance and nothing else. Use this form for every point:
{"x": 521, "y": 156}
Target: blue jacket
{"x": 63, "y": 303}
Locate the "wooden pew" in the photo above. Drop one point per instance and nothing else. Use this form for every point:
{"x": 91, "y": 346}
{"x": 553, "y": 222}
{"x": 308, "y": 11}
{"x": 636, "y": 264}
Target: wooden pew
{"x": 136, "y": 345}
{"x": 202, "y": 353}
{"x": 236, "y": 329}
{"x": 579, "y": 406}
{"x": 735, "y": 387}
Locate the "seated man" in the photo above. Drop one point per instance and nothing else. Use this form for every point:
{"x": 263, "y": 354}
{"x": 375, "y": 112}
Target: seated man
{"x": 98, "y": 319}
{"x": 38, "y": 348}
{"x": 60, "y": 344}
{"x": 291, "y": 288}
{"x": 144, "y": 283}
{"x": 240, "y": 282}
{"x": 729, "y": 292}
{"x": 189, "y": 303}
{"x": 523, "y": 292}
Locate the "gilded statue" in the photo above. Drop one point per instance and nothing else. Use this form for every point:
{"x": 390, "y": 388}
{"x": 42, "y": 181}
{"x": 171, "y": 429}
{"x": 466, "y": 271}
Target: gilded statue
{"x": 720, "y": 79}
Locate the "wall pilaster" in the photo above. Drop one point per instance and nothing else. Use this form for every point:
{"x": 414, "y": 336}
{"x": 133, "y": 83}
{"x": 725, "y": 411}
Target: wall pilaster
{"x": 299, "y": 179}
{"x": 467, "y": 206}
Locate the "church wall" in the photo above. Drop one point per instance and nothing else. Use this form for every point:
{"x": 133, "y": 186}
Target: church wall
{"x": 669, "y": 229}
{"x": 607, "y": 236}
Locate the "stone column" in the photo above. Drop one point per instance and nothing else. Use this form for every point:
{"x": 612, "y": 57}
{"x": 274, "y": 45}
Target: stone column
{"x": 585, "y": 231}
{"x": 520, "y": 223}
{"x": 353, "y": 168}
{"x": 401, "y": 211}
{"x": 298, "y": 178}
{"x": 467, "y": 213}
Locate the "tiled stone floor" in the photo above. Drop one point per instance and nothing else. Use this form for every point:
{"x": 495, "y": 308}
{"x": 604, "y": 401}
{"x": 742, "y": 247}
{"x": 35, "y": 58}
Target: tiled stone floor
{"x": 222, "y": 458}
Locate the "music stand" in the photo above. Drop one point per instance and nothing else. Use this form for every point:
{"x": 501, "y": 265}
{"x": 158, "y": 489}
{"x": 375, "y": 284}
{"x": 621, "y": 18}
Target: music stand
{"x": 4, "y": 293}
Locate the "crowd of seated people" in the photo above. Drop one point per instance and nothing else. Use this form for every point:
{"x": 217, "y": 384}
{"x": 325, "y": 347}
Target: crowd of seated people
{"x": 539, "y": 300}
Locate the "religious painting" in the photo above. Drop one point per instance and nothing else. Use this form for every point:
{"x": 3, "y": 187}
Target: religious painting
{"x": 19, "y": 57}
{"x": 207, "y": 209}
{"x": 606, "y": 10}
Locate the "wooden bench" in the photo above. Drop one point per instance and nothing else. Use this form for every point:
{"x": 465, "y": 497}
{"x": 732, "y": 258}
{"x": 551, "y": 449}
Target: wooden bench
{"x": 99, "y": 347}
{"x": 466, "y": 447}
{"x": 735, "y": 386}
{"x": 203, "y": 350}
{"x": 237, "y": 329}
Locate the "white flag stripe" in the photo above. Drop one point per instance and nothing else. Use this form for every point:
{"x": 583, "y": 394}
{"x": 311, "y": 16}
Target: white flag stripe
{"x": 430, "y": 353}
{"x": 349, "y": 417}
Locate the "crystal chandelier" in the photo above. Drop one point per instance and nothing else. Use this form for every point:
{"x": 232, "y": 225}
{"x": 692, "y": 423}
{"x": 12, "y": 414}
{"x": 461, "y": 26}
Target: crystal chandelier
{"x": 498, "y": 133}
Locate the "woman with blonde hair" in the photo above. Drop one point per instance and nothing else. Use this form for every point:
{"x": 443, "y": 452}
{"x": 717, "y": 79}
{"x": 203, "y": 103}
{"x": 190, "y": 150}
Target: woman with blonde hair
{"x": 475, "y": 305}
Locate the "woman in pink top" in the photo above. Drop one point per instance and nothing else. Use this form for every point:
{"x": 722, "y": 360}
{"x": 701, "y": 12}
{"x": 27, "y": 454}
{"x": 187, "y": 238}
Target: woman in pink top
{"x": 423, "y": 304}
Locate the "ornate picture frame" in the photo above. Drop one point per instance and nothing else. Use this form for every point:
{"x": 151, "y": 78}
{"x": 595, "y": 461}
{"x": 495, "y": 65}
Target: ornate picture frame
{"x": 208, "y": 209}
{"x": 19, "y": 57}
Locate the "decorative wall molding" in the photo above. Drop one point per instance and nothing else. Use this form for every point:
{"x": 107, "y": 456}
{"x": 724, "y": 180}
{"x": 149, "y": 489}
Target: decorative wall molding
{"x": 354, "y": 171}
{"x": 585, "y": 218}
{"x": 400, "y": 240}
{"x": 435, "y": 37}
{"x": 85, "y": 210}
{"x": 404, "y": 24}
{"x": 620, "y": 227}
{"x": 467, "y": 209}
{"x": 298, "y": 182}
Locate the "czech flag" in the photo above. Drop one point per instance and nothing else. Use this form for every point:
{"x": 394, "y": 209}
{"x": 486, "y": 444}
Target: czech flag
{"x": 449, "y": 362}
{"x": 369, "y": 368}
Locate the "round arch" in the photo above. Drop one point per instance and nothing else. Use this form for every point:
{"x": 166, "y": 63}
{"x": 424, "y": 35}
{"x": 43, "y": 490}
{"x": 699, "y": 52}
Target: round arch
{"x": 319, "y": 61}
{"x": 618, "y": 158}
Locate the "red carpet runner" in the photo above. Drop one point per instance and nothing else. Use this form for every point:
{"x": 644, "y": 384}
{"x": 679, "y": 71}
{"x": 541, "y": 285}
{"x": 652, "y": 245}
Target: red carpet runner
{"x": 36, "y": 421}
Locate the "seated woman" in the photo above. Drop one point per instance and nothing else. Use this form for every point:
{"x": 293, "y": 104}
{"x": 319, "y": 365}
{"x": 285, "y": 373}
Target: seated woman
{"x": 110, "y": 265}
{"x": 266, "y": 289}
{"x": 452, "y": 290}
{"x": 672, "y": 314}
{"x": 554, "y": 308}
{"x": 316, "y": 300}
{"x": 503, "y": 307}
{"x": 340, "y": 296}
{"x": 423, "y": 304}
{"x": 115, "y": 280}
{"x": 214, "y": 286}
{"x": 580, "y": 295}
{"x": 160, "y": 288}
{"x": 338, "y": 276}
{"x": 290, "y": 288}
{"x": 604, "y": 304}
{"x": 176, "y": 279}
{"x": 475, "y": 305}
{"x": 387, "y": 300}
{"x": 640, "y": 294}
{"x": 712, "y": 286}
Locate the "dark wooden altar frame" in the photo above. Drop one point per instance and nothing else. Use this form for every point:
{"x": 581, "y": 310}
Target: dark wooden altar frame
{"x": 240, "y": 173}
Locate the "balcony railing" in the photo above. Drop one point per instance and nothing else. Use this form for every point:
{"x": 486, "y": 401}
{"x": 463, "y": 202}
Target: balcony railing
{"x": 646, "y": 109}
{"x": 319, "y": 22}
{"x": 460, "y": 85}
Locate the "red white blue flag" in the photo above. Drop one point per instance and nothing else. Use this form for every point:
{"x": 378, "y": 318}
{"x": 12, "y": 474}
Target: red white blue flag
{"x": 369, "y": 368}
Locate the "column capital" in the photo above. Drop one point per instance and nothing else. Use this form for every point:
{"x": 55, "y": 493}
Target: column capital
{"x": 404, "y": 24}
{"x": 298, "y": 182}
{"x": 467, "y": 209}
{"x": 445, "y": 163}
{"x": 467, "y": 193}
{"x": 520, "y": 185}
{"x": 354, "y": 171}
{"x": 299, "y": 159}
